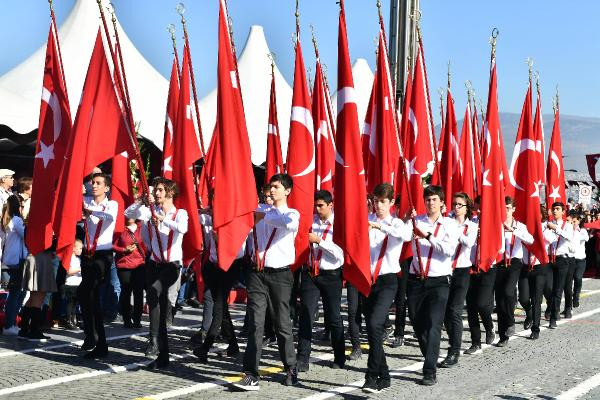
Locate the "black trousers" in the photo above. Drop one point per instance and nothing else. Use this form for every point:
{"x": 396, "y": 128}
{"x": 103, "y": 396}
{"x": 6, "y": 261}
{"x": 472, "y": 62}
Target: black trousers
{"x": 480, "y": 303}
{"x": 427, "y": 300}
{"x": 560, "y": 268}
{"x": 355, "y": 310}
{"x": 578, "y": 279}
{"x": 506, "y": 295}
{"x": 272, "y": 286}
{"x": 400, "y": 300}
{"x": 159, "y": 277}
{"x": 548, "y": 287}
{"x": 328, "y": 285}
{"x": 132, "y": 281}
{"x": 524, "y": 289}
{"x": 534, "y": 290}
{"x": 377, "y": 307}
{"x": 220, "y": 283}
{"x": 569, "y": 283}
{"x": 94, "y": 272}
{"x": 459, "y": 285}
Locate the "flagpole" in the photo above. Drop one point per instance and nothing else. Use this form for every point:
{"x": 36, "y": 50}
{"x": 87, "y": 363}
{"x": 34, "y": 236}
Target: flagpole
{"x": 55, "y": 29}
{"x": 171, "y": 30}
{"x": 181, "y": 10}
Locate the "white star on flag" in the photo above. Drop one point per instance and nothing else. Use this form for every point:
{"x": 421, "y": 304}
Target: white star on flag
{"x": 46, "y": 153}
{"x": 537, "y": 185}
{"x": 486, "y": 181}
{"x": 167, "y": 164}
{"x": 555, "y": 195}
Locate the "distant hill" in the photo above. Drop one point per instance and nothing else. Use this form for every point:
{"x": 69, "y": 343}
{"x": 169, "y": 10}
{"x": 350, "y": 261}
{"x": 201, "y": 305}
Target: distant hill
{"x": 580, "y": 136}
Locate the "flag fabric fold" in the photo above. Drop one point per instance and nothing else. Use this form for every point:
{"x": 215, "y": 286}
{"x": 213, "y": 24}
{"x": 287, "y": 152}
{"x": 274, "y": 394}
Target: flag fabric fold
{"x": 555, "y": 171}
{"x": 449, "y": 165}
{"x": 324, "y": 139}
{"x": 274, "y": 159}
{"x": 171, "y": 114}
{"x": 467, "y": 157}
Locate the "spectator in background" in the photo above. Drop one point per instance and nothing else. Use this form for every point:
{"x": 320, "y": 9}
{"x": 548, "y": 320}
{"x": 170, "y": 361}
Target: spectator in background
{"x": 7, "y": 181}
{"x": 24, "y": 185}
{"x": 71, "y": 284}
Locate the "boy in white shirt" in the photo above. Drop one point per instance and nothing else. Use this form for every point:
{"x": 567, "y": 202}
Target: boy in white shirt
{"x": 577, "y": 267}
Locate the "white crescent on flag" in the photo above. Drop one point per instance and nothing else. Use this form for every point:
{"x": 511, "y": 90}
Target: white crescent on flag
{"x": 520, "y": 147}
{"x": 303, "y": 116}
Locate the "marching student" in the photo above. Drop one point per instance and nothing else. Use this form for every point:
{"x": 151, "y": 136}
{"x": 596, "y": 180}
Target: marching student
{"x": 559, "y": 251}
{"x": 436, "y": 240}
{"x": 508, "y": 272}
{"x": 580, "y": 237}
{"x": 162, "y": 232}
{"x": 100, "y": 215}
{"x": 322, "y": 277}
{"x": 461, "y": 266}
{"x": 568, "y": 289}
{"x": 386, "y": 236}
{"x": 271, "y": 282}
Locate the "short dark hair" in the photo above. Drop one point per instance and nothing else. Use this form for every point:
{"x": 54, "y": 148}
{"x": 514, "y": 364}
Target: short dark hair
{"x": 169, "y": 185}
{"x": 468, "y": 202}
{"x": 285, "y": 180}
{"x": 384, "y": 190}
{"x": 106, "y": 177}
{"x": 324, "y": 195}
{"x": 24, "y": 184}
{"x": 266, "y": 187}
{"x": 434, "y": 190}
{"x": 509, "y": 201}
{"x": 543, "y": 213}
{"x": 559, "y": 204}
{"x": 574, "y": 214}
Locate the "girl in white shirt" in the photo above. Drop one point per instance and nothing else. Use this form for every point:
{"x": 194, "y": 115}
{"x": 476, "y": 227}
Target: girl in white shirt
{"x": 580, "y": 237}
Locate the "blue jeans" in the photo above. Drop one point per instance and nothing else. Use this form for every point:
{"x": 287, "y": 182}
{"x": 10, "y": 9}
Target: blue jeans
{"x": 14, "y": 301}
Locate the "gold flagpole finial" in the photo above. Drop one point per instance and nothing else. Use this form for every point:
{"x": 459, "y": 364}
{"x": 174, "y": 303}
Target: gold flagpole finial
{"x": 314, "y": 40}
{"x": 493, "y": 40}
{"x": 469, "y": 86}
{"x": 297, "y": 14}
{"x": 449, "y": 73}
{"x": 441, "y": 91}
{"x": 272, "y": 57}
{"x": 529, "y": 62}
{"x": 111, "y": 10}
{"x": 51, "y": 6}
{"x": 379, "y": 9}
{"x": 556, "y": 100}
{"x": 537, "y": 81}
{"x": 180, "y": 8}
{"x": 416, "y": 17}
{"x": 171, "y": 30}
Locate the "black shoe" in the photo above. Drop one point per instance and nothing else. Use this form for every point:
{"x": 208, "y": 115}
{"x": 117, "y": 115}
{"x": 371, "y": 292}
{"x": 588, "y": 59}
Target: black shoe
{"x": 502, "y": 343}
{"x": 248, "y": 383}
{"x": 552, "y": 324}
{"x": 201, "y": 354}
{"x": 383, "y": 384}
{"x": 575, "y": 301}
{"x": 159, "y": 363}
{"x": 137, "y": 325}
{"x": 194, "y": 303}
{"x": 429, "y": 380}
{"x": 88, "y": 344}
{"x": 510, "y": 331}
{"x": 356, "y": 354}
{"x": 528, "y": 323}
{"x": 568, "y": 313}
{"x": 325, "y": 336}
{"x": 547, "y": 314}
{"x": 152, "y": 348}
{"x": 269, "y": 341}
{"x": 534, "y": 335}
{"x": 37, "y": 336}
{"x": 198, "y": 337}
{"x": 98, "y": 352}
{"x": 450, "y": 361}
{"x": 337, "y": 365}
{"x": 370, "y": 385}
{"x": 388, "y": 332}
{"x": 473, "y": 349}
{"x": 179, "y": 307}
{"x": 302, "y": 366}
{"x": 292, "y": 377}
{"x": 127, "y": 325}
{"x": 490, "y": 336}
{"x": 233, "y": 350}
{"x": 397, "y": 341}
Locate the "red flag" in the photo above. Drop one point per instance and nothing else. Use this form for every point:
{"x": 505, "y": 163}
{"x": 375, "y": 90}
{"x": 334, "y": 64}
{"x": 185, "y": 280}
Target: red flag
{"x": 301, "y": 157}
{"x": 351, "y": 231}
{"x": 591, "y": 159}
{"x": 235, "y": 191}
{"x": 555, "y": 172}
{"x": 435, "y": 178}
{"x": 274, "y": 164}
{"x": 173, "y": 98}
{"x": 53, "y": 135}
{"x": 476, "y": 153}
{"x": 467, "y": 156}
{"x": 186, "y": 151}
{"x": 418, "y": 151}
{"x": 524, "y": 181}
{"x": 449, "y": 166}
{"x": 538, "y": 133}
{"x": 122, "y": 187}
{"x": 493, "y": 209}
{"x": 384, "y": 151}
{"x": 99, "y": 133}
{"x": 324, "y": 140}
{"x": 368, "y": 128}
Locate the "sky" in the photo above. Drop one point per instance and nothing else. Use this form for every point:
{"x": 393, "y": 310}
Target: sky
{"x": 561, "y": 37}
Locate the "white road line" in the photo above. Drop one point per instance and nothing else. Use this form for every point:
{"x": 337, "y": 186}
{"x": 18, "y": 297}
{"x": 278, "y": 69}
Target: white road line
{"x": 580, "y": 389}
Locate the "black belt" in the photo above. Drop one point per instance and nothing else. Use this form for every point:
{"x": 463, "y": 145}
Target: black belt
{"x": 416, "y": 277}
{"x": 269, "y": 270}
{"x": 561, "y": 257}
{"x": 336, "y": 271}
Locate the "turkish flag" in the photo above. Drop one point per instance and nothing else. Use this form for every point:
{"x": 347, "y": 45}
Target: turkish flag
{"x": 274, "y": 164}
{"x": 435, "y": 177}
{"x": 591, "y": 159}
{"x": 54, "y": 132}
{"x": 351, "y": 231}
{"x": 301, "y": 157}
{"x": 368, "y": 128}
{"x": 493, "y": 209}
{"x": 172, "y": 99}
{"x": 186, "y": 151}
{"x": 538, "y": 133}
{"x": 467, "y": 157}
{"x": 477, "y": 148}
{"x": 384, "y": 151}
{"x": 99, "y": 133}
{"x": 121, "y": 190}
{"x": 449, "y": 165}
{"x": 235, "y": 191}
{"x": 555, "y": 172}
{"x": 525, "y": 183}
{"x": 324, "y": 139}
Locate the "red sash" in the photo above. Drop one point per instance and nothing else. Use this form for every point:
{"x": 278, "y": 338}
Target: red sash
{"x": 380, "y": 258}
{"x": 316, "y": 261}
{"x": 158, "y": 239}
{"x": 425, "y": 274}
{"x": 92, "y": 249}
{"x": 260, "y": 264}
{"x": 554, "y": 248}
{"x": 458, "y": 249}
{"x": 509, "y": 251}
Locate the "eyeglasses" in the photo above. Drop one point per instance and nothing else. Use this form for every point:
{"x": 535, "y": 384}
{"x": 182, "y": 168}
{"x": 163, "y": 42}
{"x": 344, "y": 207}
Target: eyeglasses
{"x": 459, "y": 205}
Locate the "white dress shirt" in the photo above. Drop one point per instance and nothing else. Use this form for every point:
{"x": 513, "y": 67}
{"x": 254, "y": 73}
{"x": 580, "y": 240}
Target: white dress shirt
{"x": 4, "y": 195}
{"x": 209, "y": 239}
{"x": 331, "y": 255}
{"x": 580, "y": 236}
{"x": 175, "y": 220}
{"x": 520, "y": 235}
{"x": 561, "y": 238}
{"x": 530, "y": 259}
{"x": 13, "y": 242}
{"x": 464, "y": 256}
{"x": 106, "y": 211}
{"x": 443, "y": 244}
{"x": 75, "y": 279}
{"x": 397, "y": 232}
{"x": 281, "y": 252}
